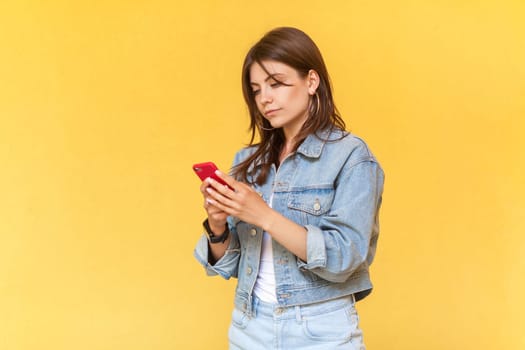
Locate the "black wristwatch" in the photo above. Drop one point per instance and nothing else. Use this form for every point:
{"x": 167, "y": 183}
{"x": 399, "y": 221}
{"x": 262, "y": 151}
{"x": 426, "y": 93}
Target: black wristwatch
{"x": 212, "y": 238}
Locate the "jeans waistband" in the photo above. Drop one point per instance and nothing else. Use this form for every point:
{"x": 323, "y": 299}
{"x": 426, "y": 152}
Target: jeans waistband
{"x": 262, "y": 308}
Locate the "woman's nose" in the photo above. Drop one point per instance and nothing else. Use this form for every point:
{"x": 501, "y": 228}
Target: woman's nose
{"x": 266, "y": 96}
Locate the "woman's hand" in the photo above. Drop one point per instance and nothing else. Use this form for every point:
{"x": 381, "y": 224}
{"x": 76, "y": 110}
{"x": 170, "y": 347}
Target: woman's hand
{"x": 247, "y": 205}
{"x": 240, "y": 201}
{"x": 216, "y": 217}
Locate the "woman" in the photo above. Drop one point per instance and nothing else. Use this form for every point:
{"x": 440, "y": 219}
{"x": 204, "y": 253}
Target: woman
{"x": 298, "y": 224}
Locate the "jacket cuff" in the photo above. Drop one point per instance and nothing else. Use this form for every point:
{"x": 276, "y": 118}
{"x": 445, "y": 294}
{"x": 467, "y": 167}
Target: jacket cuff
{"x": 225, "y": 266}
{"x": 315, "y": 249}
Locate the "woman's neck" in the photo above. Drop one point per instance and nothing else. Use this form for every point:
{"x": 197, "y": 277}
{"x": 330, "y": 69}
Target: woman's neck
{"x": 287, "y": 148}
{"x": 289, "y": 144}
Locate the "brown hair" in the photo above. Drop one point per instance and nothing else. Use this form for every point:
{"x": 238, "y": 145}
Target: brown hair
{"x": 296, "y": 49}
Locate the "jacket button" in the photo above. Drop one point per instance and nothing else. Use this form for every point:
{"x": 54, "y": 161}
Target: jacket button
{"x": 317, "y": 205}
{"x": 248, "y": 270}
{"x": 253, "y": 232}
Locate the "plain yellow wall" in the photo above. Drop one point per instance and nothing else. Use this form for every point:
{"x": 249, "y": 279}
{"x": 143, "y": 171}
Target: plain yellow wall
{"x": 104, "y": 106}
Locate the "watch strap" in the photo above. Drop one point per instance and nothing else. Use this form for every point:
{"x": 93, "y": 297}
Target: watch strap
{"x": 212, "y": 238}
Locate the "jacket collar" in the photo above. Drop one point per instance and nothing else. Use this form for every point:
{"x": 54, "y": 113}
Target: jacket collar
{"x": 313, "y": 145}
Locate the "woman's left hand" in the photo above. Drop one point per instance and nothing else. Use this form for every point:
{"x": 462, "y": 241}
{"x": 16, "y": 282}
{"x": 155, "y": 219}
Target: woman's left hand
{"x": 240, "y": 200}
{"x": 244, "y": 203}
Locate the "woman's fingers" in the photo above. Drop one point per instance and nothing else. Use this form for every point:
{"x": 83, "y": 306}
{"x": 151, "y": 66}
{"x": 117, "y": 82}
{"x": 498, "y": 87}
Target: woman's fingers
{"x": 230, "y": 181}
{"x": 224, "y": 190}
{"x": 218, "y": 197}
{"x": 203, "y": 187}
{"x": 242, "y": 202}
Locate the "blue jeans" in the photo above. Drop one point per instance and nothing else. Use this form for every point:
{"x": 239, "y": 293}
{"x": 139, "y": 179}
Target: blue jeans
{"x": 332, "y": 324}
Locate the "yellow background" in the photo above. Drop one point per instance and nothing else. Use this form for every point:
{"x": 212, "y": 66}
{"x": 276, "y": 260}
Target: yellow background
{"x": 104, "y": 106}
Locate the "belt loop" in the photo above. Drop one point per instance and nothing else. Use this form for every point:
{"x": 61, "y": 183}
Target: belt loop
{"x": 298, "y": 313}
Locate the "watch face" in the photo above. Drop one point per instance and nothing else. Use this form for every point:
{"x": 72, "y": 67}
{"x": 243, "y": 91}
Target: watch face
{"x": 216, "y": 239}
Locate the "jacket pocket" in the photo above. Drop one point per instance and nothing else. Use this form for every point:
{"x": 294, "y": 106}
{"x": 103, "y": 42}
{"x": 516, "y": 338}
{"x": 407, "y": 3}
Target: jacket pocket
{"x": 310, "y": 204}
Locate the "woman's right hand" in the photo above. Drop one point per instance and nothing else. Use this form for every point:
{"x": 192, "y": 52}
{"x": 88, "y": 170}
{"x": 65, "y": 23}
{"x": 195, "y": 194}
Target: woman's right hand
{"x": 216, "y": 217}
{"x": 217, "y": 222}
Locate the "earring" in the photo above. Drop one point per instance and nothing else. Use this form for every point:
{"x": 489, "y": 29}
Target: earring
{"x": 318, "y": 103}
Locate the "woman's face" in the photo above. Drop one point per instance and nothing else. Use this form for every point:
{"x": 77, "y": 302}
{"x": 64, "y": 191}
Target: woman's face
{"x": 282, "y": 96}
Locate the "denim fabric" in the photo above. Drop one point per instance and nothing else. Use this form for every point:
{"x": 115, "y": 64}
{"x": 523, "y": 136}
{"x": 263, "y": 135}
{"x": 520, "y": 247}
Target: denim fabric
{"x": 328, "y": 325}
{"x": 333, "y": 187}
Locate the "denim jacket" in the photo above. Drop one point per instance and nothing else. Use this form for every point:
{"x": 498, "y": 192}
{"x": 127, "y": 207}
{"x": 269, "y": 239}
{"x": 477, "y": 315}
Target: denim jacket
{"x": 332, "y": 185}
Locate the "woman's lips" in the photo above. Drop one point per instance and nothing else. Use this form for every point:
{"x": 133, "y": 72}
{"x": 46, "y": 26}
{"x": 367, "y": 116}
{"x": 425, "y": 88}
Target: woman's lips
{"x": 271, "y": 111}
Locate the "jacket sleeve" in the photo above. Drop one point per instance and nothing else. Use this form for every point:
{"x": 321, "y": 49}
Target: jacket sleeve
{"x": 227, "y": 266}
{"x": 345, "y": 239}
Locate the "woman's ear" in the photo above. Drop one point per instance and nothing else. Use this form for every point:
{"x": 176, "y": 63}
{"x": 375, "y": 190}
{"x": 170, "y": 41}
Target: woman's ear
{"x": 312, "y": 81}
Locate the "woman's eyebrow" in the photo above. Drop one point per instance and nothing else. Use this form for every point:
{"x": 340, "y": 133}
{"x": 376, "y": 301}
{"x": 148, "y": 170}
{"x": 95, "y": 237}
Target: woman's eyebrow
{"x": 270, "y": 76}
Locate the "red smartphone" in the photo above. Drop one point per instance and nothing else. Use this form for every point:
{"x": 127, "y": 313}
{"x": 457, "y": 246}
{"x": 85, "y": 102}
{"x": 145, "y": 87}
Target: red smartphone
{"x": 205, "y": 170}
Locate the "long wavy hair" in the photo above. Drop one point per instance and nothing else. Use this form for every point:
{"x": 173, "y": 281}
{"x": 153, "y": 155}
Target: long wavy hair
{"x": 296, "y": 49}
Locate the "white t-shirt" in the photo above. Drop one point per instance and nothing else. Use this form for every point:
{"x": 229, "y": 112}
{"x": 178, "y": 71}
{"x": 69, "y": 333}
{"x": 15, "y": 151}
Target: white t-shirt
{"x": 264, "y": 288}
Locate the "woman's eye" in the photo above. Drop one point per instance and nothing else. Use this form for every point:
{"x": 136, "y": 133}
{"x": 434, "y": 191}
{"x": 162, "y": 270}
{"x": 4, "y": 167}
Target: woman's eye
{"x": 276, "y": 84}
{"x": 255, "y": 92}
